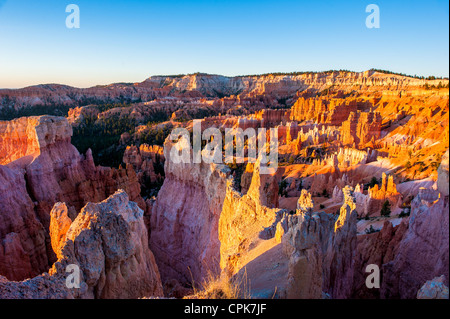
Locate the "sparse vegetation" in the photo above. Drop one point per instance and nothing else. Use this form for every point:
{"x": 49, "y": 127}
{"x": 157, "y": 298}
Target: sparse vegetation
{"x": 421, "y": 167}
{"x": 282, "y": 188}
{"x": 435, "y": 165}
{"x": 408, "y": 165}
{"x": 386, "y": 209}
{"x": 410, "y": 76}
{"x": 237, "y": 171}
{"x": 102, "y": 137}
{"x": 216, "y": 287}
{"x": 8, "y": 114}
{"x": 291, "y": 160}
{"x": 405, "y": 212}
{"x": 371, "y": 230}
{"x": 439, "y": 86}
{"x": 156, "y": 136}
{"x": 373, "y": 182}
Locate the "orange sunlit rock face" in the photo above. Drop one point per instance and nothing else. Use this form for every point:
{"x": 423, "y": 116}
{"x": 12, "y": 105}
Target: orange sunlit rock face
{"x": 49, "y": 171}
{"x": 28, "y": 135}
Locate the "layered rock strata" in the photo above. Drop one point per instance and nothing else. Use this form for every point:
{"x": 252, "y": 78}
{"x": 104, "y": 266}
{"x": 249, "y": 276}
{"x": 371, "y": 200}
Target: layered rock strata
{"x": 50, "y": 170}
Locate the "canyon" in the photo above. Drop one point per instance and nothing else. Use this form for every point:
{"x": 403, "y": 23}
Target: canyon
{"x": 362, "y": 180}
{"x": 47, "y": 169}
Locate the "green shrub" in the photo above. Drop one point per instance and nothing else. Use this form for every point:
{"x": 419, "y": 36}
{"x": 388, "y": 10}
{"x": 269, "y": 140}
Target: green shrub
{"x": 282, "y": 188}
{"x": 386, "y": 209}
{"x": 373, "y": 182}
{"x": 291, "y": 160}
{"x": 371, "y": 230}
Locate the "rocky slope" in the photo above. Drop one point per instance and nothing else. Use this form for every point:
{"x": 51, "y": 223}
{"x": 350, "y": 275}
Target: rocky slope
{"x": 201, "y": 85}
{"x": 423, "y": 254}
{"x": 245, "y": 219}
{"x": 108, "y": 243}
{"x": 23, "y": 251}
{"x": 50, "y": 170}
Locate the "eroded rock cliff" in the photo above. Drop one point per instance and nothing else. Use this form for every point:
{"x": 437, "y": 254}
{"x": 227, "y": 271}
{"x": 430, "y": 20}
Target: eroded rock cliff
{"x": 104, "y": 252}
{"x": 185, "y": 217}
{"x": 321, "y": 248}
{"x": 246, "y": 218}
{"x": 50, "y": 170}
{"x": 423, "y": 254}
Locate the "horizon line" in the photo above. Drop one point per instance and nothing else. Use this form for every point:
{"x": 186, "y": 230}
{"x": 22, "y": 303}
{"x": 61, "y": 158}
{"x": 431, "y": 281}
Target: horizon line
{"x": 293, "y": 73}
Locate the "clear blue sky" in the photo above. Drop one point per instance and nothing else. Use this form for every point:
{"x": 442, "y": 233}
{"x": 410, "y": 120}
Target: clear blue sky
{"x": 128, "y": 41}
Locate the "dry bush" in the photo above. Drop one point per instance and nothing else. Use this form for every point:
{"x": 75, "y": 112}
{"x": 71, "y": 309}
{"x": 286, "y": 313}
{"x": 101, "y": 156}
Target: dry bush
{"x": 220, "y": 287}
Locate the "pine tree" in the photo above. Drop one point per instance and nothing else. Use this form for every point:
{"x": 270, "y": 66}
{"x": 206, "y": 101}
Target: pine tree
{"x": 386, "y": 209}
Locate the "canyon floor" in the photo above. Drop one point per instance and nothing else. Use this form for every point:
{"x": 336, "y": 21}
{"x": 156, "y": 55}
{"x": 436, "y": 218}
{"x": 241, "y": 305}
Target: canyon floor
{"x": 88, "y": 181}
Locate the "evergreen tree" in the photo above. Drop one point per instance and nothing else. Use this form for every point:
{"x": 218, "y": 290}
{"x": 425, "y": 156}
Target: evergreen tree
{"x": 386, "y": 209}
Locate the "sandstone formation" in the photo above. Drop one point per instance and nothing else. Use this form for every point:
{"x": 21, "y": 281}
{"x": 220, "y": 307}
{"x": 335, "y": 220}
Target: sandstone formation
{"x": 361, "y": 128}
{"x": 108, "y": 243}
{"x": 442, "y": 180}
{"x": 60, "y": 221}
{"x": 271, "y": 118}
{"x": 50, "y": 171}
{"x": 239, "y": 90}
{"x": 423, "y": 254}
{"x": 246, "y": 218}
{"x": 375, "y": 249}
{"x": 144, "y": 159}
{"x": 371, "y": 203}
{"x": 321, "y": 250}
{"x": 200, "y": 224}
{"x": 377, "y": 196}
{"x": 349, "y": 143}
{"x": 23, "y": 252}
{"x": 434, "y": 289}
{"x": 246, "y": 178}
{"x": 185, "y": 217}
{"x": 305, "y": 204}
{"x": 78, "y": 114}
{"x": 27, "y": 136}
{"x": 333, "y": 111}
{"x": 316, "y": 134}
{"x": 347, "y": 157}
